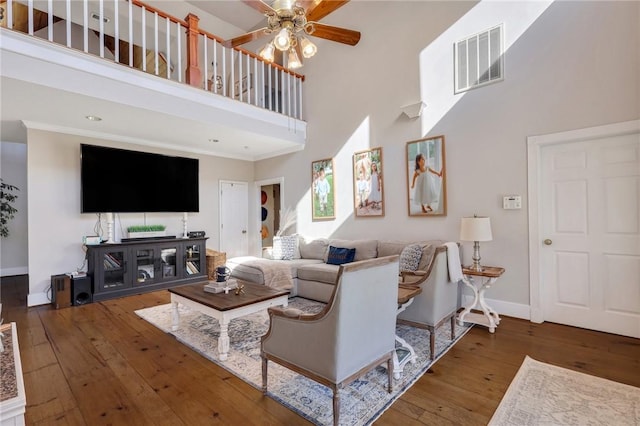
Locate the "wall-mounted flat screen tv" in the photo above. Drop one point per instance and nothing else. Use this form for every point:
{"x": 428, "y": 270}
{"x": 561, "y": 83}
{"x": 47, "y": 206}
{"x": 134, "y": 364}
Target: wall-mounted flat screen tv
{"x": 122, "y": 181}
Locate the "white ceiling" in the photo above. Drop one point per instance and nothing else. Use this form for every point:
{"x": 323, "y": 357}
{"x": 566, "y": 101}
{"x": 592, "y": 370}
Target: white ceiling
{"x": 49, "y": 93}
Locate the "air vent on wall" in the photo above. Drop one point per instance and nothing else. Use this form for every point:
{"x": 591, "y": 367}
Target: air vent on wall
{"x": 479, "y": 59}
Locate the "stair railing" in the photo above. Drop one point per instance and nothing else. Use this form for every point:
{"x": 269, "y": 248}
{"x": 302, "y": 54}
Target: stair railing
{"x": 141, "y": 36}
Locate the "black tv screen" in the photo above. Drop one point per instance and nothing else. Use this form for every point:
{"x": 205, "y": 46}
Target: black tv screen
{"x": 122, "y": 181}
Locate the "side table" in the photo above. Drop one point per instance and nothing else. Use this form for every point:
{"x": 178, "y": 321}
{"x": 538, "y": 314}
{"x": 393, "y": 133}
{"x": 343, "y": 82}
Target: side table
{"x": 486, "y": 278}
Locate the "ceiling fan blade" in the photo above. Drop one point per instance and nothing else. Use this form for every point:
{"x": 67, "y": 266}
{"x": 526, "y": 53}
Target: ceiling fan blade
{"x": 318, "y": 9}
{"x": 341, "y": 35}
{"x": 245, "y": 38}
{"x": 259, "y": 6}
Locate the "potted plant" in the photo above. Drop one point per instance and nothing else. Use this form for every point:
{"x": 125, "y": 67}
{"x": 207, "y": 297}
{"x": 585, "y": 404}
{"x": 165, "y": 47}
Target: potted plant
{"x": 146, "y": 231}
{"x": 7, "y": 211}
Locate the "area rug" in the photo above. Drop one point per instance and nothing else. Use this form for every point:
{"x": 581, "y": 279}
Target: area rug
{"x": 363, "y": 401}
{"x": 543, "y": 394}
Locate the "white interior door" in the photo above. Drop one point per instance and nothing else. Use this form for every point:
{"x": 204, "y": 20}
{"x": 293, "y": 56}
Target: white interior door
{"x": 234, "y": 220}
{"x": 589, "y": 239}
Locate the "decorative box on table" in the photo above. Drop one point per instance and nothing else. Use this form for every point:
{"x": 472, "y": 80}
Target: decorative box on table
{"x": 214, "y": 259}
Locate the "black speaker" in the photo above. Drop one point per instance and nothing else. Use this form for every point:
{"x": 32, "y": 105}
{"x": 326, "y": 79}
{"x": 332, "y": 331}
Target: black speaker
{"x": 82, "y": 293}
{"x": 60, "y": 291}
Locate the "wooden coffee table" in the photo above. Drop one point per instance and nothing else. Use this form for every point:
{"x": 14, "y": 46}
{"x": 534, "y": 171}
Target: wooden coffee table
{"x": 225, "y": 307}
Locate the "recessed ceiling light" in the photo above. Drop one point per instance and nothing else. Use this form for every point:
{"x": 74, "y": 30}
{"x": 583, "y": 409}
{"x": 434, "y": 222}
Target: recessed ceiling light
{"x": 93, "y": 118}
{"x": 214, "y": 140}
{"x": 96, "y": 16}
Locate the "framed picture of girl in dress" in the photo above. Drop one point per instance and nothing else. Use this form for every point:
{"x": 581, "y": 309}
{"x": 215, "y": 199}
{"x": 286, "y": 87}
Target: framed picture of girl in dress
{"x": 426, "y": 189}
{"x": 322, "y": 190}
{"x": 368, "y": 196}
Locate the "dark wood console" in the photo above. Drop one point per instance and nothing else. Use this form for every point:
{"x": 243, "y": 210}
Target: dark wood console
{"x": 145, "y": 265}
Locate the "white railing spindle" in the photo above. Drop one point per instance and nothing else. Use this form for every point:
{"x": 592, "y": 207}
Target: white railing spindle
{"x": 10, "y": 14}
{"x": 156, "y": 61}
{"x": 143, "y": 24}
{"x": 85, "y": 28}
{"x": 30, "y": 17}
{"x": 50, "y": 19}
{"x": 116, "y": 35}
{"x": 68, "y": 4}
{"x": 131, "y": 34}
{"x": 168, "y": 41}
{"x": 179, "y": 39}
{"x": 255, "y": 81}
{"x": 101, "y": 28}
{"x": 214, "y": 78}
{"x": 224, "y": 71}
{"x": 232, "y": 82}
{"x": 206, "y": 63}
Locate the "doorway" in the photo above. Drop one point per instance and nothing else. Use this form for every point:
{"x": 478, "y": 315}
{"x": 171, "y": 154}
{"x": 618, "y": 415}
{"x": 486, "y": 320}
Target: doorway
{"x": 584, "y": 232}
{"x": 270, "y": 201}
{"x": 234, "y": 208}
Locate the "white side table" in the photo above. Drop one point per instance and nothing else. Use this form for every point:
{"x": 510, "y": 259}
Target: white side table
{"x": 486, "y": 278}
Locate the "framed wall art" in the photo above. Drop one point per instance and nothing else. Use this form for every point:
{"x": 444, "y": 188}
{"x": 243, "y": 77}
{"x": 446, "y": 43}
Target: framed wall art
{"x": 426, "y": 183}
{"x": 322, "y": 190}
{"x": 368, "y": 191}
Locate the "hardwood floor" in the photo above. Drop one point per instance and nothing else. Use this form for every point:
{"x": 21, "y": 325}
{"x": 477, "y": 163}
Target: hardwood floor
{"x": 100, "y": 364}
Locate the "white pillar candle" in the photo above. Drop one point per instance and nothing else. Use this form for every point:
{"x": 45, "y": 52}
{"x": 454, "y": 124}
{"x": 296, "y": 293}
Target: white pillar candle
{"x": 184, "y": 216}
{"x": 109, "y": 217}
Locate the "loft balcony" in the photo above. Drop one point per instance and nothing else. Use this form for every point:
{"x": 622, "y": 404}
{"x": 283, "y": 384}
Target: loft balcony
{"x": 153, "y": 78}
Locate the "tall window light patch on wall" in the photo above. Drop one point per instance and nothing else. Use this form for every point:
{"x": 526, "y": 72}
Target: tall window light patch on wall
{"x": 479, "y": 59}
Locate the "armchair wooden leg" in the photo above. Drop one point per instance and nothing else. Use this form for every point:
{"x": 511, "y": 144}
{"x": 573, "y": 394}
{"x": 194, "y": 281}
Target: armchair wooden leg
{"x": 390, "y": 374}
{"x": 336, "y": 405}
{"x": 432, "y": 343}
{"x": 453, "y": 327}
{"x": 264, "y": 375}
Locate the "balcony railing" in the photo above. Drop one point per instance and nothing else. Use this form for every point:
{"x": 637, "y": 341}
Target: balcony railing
{"x": 142, "y": 37}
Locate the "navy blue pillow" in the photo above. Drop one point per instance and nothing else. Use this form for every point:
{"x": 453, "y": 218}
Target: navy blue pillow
{"x": 338, "y": 255}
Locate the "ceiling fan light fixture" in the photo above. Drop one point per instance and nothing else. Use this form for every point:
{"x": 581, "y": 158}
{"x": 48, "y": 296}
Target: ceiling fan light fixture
{"x": 283, "y": 40}
{"x": 308, "y": 48}
{"x": 293, "y": 62}
{"x": 268, "y": 52}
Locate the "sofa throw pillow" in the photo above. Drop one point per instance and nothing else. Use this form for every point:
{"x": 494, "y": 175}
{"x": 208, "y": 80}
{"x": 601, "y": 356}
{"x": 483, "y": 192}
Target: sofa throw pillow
{"x": 410, "y": 257}
{"x": 284, "y": 247}
{"x": 339, "y": 255}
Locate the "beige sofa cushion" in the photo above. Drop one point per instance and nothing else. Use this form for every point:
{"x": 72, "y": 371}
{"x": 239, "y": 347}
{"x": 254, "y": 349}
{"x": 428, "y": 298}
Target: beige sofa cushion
{"x": 254, "y": 275}
{"x": 320, "y": 272}
{"x": 314, "y": 249}
{"x": 390, "y": 248}
{"x": 365, "y": 249}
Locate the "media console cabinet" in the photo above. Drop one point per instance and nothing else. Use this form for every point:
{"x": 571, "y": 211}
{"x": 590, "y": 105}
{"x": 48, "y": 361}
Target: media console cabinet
{"x": 141, "y": 266}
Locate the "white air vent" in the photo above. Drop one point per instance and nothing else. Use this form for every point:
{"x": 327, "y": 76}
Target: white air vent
{"x": 479, "y": 59}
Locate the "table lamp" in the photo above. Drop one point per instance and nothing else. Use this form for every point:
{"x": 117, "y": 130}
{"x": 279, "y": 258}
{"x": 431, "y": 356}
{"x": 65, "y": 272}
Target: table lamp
{"x": 476, "y": 229}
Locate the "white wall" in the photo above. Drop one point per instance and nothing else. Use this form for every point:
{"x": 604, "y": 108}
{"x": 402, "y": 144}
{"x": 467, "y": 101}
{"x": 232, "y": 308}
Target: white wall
{"x": 573, "y": 65}
{"x": 13, "y": 249}
{"x": 56, "y": 226}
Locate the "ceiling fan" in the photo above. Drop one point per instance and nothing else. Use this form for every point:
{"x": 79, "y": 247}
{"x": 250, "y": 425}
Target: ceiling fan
{"x": 291, "y": 21}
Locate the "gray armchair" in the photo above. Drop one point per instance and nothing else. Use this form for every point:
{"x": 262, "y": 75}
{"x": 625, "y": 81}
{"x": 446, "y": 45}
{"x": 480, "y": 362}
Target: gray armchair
{"x": 353, "y": 334}
{"x": 438, "y": 301}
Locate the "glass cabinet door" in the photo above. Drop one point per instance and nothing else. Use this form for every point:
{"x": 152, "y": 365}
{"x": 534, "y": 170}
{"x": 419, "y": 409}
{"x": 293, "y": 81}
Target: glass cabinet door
{"x": 168, "y": 264}
{"x": 144, "y": 265}
{"x": 114, "y": 265}
{"x": 194, "y": 259}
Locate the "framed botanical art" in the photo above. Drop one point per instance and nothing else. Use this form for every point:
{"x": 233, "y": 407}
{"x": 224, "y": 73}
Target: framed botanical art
{"x": 322, "y": 190}
{"x": 426, "y": 183}
{"x": 368, "y": 191}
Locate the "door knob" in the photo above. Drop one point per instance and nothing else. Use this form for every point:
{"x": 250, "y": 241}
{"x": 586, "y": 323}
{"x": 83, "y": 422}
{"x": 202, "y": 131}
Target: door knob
{"x": 244, "y": 231}
{"x": 548, "y": 242}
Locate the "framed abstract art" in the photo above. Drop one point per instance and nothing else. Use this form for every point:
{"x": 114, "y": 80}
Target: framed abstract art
{"x": 426, "y": 177}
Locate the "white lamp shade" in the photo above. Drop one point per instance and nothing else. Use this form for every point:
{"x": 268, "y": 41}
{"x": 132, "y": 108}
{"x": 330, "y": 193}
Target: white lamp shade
{"x": 475, "y": 229}
{"x": 283, "y": 40}
{"x": 293, "y": 61}
{"x": 267, "y": 52}
{"x": 308, "y": 48}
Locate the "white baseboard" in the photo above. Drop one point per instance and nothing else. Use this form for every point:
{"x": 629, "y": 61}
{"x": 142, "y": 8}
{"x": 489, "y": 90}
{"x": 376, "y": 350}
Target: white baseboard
{"x": 35, "y": 299}
{"x": 510, "y": 309}
{"x": 9, "y": 272}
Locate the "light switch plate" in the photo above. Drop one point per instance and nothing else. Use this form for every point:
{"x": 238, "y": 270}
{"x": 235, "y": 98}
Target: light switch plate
{"x": 512, "y": 202}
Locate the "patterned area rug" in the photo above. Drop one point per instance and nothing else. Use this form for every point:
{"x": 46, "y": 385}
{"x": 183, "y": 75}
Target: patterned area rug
{"x": 363, "y": 401}
{"x": 543, "y": 394}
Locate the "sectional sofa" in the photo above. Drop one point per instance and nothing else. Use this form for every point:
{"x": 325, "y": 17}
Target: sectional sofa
{"x": 312, "y": 276}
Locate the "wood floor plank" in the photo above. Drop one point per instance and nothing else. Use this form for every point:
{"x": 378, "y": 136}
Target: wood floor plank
{"x": 101, "y": 364}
